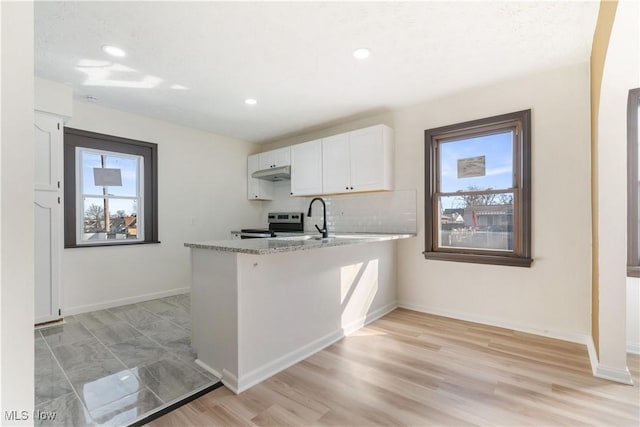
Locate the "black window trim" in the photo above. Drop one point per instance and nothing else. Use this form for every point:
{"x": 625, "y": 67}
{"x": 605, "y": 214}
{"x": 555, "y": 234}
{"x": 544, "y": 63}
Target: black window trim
{"x": 149, "y": 151}
{"x": 633, "y": 233}
{"x": 522, "y": 160}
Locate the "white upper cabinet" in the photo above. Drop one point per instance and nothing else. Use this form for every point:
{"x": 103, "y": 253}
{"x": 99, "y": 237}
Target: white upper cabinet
{"x": 275, "y": 158}
{"x": 257, "y": 189}
{"x": 361, "y": 160}
{"x": 335, "y": 164}
{"x": 306, "y": 168}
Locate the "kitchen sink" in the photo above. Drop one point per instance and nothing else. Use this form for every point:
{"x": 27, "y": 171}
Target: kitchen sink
{"x": 331, "y": 237}
{"x": 303, "y": 237}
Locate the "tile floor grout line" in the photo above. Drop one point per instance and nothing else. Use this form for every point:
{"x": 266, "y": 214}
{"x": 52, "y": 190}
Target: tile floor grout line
{"x": 75, "y": 392}
{"x": 167, "y": 349}
{"x": 138, "y": 305}
{"x": 162, "y": 346}
{"x": 171, "y": 353}
{"x": 123, "y": 364}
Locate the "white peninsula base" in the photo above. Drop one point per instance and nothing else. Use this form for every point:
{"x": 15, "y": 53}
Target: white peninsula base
{"x": 255, "y": 315}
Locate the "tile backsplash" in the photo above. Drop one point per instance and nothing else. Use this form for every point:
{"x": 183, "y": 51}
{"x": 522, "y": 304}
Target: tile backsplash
{"x": 378, "y": 212}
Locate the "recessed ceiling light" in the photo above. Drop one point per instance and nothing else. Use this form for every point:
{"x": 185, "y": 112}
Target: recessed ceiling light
{"x": 362, "y": 53}
{"x": 178, "y": 87}
{"x": 113, "y": 51}
{"x": 250, "y": 101}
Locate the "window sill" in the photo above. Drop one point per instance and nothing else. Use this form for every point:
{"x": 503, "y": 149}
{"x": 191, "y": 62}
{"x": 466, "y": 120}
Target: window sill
{"x": 106, "y": 245}
{"x": 633, "y": 271}
{"x": 510, "y": 261}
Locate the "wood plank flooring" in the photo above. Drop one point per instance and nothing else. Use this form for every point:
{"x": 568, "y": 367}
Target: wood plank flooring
{"x": 411, "y": 368}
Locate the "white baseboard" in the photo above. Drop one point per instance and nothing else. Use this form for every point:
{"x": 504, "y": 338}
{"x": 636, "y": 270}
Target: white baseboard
{"x": 614, "y": 374}
{"x": 561, "y": 335}
{"x": 208, "y": 368}
{"x": 599, "y": 370}
{"x": 230, "y": 381}
{"x": 370, "y": 317}
{"x": 122, "y": 301}
{"x": 246, "y": 381}
{"x": 633, "y": 347}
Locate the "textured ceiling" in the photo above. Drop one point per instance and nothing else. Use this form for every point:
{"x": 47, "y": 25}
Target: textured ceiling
{"x": 295, "y": 58}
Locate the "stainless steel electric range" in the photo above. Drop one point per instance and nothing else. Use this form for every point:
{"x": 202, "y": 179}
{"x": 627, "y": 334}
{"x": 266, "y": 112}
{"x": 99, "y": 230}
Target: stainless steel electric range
{"x": 281, "y": 224}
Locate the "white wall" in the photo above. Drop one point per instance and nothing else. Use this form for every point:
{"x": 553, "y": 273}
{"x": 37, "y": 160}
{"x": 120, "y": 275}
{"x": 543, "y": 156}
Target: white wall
{"x": 633, "y": 315}
{"x": 16, "y": 211}
{"x": 621, "y": 73}
{"x": 553, "y": 296}
{"x": 202, "y": 196}
{"x": 53, "y": 97}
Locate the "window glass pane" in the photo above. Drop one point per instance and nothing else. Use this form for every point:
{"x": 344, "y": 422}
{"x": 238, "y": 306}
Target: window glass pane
{"x": 122, "y": 214}
{"x": 478, "y": 163}
{"x": 90, "y": 160}
{"x": 476, "y": 222}
{"x": 128, "y": 171}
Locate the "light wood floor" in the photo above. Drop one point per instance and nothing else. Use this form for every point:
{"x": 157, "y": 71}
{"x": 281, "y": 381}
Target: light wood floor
{"x": 410, "y": 368}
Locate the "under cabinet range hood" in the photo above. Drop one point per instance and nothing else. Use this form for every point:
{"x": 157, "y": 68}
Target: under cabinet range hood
{"x": 281, "y": 173}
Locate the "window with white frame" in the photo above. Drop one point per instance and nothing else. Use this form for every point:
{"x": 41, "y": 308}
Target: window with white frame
{"x": 109, "y": 194}
{"x": 478, "y": 191}
{"x": 110, "y": 190}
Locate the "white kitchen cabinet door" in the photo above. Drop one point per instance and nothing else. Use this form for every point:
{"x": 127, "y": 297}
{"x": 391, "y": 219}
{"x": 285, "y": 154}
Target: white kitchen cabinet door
{"x": 306, "y": 168}
{"x": 47, "y": 207}
{"x": 275, "y": 158}
{"x": 335, "y": 164}
{"x": 371, "y": 159}
{"x": 282, "y": 157}
{"x": 361, "y": 160}
{"x": 257, "y": 189}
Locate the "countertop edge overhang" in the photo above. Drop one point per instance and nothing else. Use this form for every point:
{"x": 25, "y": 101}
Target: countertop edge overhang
{"x": 287, "y": 244}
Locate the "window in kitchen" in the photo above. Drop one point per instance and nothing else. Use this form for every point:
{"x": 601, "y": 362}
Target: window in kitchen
{"x": 478, "y": 191}
{"x": 110, "y": 190}
{"x": 633, "y": 184}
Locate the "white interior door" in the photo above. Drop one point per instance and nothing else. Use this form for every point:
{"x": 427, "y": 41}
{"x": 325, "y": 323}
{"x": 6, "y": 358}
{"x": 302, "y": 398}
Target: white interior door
{"x": 47, "y": 216}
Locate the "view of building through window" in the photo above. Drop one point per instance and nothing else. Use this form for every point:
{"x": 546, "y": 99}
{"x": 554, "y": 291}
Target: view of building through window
{"x": 478, "y": 191}
{"x": 476, "y": 196}
{"x": 111, "y": 186}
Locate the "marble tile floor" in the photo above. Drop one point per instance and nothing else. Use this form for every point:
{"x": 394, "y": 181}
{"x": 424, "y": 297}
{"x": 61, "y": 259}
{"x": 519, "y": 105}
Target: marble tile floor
{"x": 112, "y": 367}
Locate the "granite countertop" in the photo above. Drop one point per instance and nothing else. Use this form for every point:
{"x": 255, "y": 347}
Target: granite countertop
{"x": 289, "y": 244}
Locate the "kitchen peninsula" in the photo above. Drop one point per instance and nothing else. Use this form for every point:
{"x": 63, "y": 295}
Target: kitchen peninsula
{"x": 261, "y": 305}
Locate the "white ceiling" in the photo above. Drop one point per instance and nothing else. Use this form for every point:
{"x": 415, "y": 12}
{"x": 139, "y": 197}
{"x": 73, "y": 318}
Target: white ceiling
{"x": 295, "y": 58}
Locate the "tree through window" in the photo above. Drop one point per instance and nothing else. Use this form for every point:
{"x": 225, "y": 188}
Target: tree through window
{"x": 110, "y": 190}
{"x": 477, "y": 191}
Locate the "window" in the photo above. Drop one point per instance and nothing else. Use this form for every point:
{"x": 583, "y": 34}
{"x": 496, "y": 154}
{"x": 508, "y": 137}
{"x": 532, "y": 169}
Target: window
{"x": 477, "y": 191}
{"x": 110, "y": 190}
{"x": 633, "y": 186}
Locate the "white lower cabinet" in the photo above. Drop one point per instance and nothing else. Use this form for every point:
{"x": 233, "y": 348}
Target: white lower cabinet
{"x": 257, "y": 189}
{"x": 306, "y": 168}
